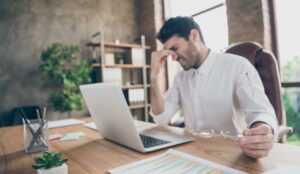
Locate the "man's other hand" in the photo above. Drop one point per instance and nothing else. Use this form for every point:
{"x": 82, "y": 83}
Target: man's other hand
{"x": 256, "y": 142}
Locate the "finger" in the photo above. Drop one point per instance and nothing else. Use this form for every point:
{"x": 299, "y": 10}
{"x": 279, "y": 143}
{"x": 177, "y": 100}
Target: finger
{"x": 163, "y": 59}
{"x": 255, "y": 139}
{"x": 172, "y": 53}
{"x": 261, "y": 130}
{"x": 162, "y": 62}
{"x": 158, "y": 55}
{"x": 166, "y": 52}
{"x": 157, "y": 60}
{"x": 174, "y": 57}
{"x": 256, "y": 153}
{"x": 247, "y": 132}
{"x": 163, "y": 56}
{"x": 258, "y": 146}
{"x": 157, "y": 66}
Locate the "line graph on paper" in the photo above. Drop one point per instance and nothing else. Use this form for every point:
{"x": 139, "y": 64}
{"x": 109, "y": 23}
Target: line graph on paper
{"x": 174, "y": 162}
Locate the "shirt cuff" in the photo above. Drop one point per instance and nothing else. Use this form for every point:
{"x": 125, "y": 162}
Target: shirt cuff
{"x": 159, "y": 118}
{"x": 269, "y": 121}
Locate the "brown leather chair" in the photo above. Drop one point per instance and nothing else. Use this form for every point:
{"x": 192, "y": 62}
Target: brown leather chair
{"x": 267, "y": 67}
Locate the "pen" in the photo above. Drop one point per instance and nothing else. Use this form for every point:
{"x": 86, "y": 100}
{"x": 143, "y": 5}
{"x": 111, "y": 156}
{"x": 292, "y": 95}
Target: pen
{"x": 39, "y": 116}
{"x": 44, "y": 113}
{"x": 24, "y": 116}
{"x": 29, "y": 126}
{"x": 40, "y": 130}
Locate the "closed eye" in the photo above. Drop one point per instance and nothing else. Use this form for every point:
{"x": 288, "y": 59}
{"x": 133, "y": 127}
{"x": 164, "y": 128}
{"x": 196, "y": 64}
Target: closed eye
{"x": 174, "y": 48}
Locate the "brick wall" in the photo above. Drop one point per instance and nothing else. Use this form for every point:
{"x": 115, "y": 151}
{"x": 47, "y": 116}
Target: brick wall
{"x": 150, "y": 20}
{"x": 248, "y": 20}
{"x": 28, "y": 27}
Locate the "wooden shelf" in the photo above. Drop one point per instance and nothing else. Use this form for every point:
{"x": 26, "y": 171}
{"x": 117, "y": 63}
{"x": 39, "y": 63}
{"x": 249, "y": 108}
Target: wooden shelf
{"x": 138, "y": 106}
{"x": 134, "y": 86}
{"x": 120, "y": 66}
{"x": 114, "y": 45}
{"x": 134, "y": 75}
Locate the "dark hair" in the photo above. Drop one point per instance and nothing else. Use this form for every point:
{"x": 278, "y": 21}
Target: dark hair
{"x": 180, "y": 26}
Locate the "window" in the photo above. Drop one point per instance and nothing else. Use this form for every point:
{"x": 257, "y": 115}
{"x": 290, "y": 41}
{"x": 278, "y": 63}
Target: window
{"x": 212, "y": 19}
{"x": 288, "y": 35}
{"x": 214, "y": 28}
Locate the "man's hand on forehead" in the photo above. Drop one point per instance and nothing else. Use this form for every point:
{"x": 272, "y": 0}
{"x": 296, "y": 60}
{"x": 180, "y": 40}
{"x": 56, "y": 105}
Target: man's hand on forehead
{"x": 172, "y": 53}
{"x": 166, "y": 53}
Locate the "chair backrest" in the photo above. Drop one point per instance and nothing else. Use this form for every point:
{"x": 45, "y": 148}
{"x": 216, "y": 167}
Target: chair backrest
{"x": 267, "y": 67}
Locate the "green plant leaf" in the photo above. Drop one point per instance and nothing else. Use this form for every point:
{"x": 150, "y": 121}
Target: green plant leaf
{"x": 49, "y": 160}
{"x": 41, "y": 166}
{"x": 39, "y": 160}
{"x": 67, "y": 71}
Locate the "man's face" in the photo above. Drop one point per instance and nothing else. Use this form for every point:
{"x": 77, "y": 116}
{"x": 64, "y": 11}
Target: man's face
{"x": 185, "y": 51}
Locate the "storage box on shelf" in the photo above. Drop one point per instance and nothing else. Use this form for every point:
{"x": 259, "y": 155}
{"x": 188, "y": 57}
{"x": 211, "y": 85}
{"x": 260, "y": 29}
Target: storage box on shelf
{"x": 126, "y": 64}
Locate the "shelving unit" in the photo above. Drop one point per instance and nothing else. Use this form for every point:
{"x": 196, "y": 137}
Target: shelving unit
{"x": 120, "y": 66}
{"x": 135, "y": 84}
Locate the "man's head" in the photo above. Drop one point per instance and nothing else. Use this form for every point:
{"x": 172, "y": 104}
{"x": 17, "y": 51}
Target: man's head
{"x": 182, "y": 35}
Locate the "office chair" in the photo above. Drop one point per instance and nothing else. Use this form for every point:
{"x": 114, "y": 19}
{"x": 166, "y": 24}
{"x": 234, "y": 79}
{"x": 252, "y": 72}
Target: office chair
{"x": 29, "y": 111}
{"x": 267, "y": 67}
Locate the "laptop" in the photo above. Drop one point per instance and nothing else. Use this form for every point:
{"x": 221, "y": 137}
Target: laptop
{"x": 107, "y": 106}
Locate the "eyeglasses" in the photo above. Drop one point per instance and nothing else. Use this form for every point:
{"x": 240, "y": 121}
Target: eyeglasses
{"x": 213, "y": 133}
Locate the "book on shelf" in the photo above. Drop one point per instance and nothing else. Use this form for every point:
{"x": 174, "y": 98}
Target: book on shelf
{"x": 109, "y": 59}
{"x": 134, "y": 96}
{"x": 138, "y": 56}
{"x": 113, "y": 75}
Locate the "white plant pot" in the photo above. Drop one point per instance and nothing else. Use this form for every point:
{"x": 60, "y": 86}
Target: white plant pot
{"x": 63, "y": 169}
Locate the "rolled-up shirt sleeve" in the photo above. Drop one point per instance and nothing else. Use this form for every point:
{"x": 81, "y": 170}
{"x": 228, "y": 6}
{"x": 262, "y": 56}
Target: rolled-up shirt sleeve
{"x": 253, "y": 100}
{"x": 171, "y": 105}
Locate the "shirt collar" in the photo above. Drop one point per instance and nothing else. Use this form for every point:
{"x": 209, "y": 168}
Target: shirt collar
{"x": 207, "y": 65}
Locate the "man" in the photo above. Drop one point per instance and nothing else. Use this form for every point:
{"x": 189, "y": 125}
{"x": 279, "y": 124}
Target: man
{"x": 214, "y": 91}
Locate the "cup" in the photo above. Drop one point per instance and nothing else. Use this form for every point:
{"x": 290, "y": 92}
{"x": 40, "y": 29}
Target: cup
{"x": 35, "y": 136}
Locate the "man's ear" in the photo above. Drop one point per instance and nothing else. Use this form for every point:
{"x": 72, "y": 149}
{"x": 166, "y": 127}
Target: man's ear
{"x": 194, "y": 36}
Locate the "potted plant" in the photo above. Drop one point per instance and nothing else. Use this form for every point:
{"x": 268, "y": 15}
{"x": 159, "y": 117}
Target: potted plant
{"x": 62, "y": 66}
{"x": 120, "y": 58}
{"x": 50, "y": 163}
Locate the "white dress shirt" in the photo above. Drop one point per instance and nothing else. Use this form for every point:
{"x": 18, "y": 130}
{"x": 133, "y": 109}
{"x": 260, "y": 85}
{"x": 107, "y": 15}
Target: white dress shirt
{"x": 224, "y": 93}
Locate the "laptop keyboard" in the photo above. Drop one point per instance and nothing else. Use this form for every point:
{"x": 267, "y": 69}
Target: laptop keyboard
{"x": 150, "y": 141}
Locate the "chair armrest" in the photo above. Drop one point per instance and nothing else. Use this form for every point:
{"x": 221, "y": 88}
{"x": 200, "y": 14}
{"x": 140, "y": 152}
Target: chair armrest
{"x": 284, "y": 130}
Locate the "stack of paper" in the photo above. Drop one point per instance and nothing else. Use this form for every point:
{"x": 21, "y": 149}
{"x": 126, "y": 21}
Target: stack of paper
{"x": 72, "y": 136}
{"x": 174, "y": 162}
{"x": 91, "y": 125}
{"x": 65, "y": 122}
{"x": 285, "y": 168}
{"x": 55, "y": 136}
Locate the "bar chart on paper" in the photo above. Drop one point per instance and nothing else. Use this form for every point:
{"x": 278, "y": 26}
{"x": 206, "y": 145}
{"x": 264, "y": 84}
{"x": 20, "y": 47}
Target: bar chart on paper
{"x": 174, "y": 162}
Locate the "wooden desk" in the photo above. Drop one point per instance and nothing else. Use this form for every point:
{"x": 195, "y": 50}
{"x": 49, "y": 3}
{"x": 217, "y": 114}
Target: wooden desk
{"x": 93, "y": 154}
